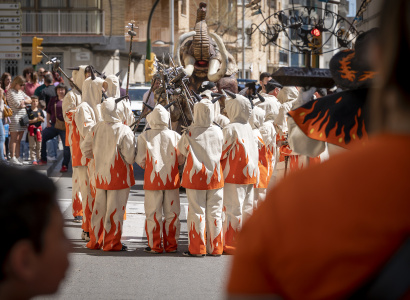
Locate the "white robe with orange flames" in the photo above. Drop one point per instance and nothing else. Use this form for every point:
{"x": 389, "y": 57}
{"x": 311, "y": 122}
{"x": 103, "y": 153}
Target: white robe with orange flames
{"x": 70, "y": 102}
{"x": 112, "y": 145}
{"x": 240, "y": 168}
{"x": 203, "y": 179}
{"x": 157, "y": 153}
{"x": 256, "y": 121}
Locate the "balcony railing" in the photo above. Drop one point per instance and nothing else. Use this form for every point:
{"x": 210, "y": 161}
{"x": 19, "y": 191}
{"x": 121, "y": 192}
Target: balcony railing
{"x": 64, "y": 23}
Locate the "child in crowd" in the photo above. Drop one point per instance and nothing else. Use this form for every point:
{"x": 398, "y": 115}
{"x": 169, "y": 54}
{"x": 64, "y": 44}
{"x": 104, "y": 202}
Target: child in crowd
{"x": 203, "y": 180}
{"x": 36, "y": 117}
{"x": 157, "y": 153}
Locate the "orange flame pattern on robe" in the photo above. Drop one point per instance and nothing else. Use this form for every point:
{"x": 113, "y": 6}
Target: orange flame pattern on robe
{"x": 157, "y": 183}
{"x": 156, "y": 235}
{"x": 119, "y": 173}
{"x": 112, "y": 239}
{"x": 199, "y": 179}
{"x": 230, "y": 242}
{"x": 94, "y": 243}
{"x": 217, "y": 245}
{"x": 77, "y": 206}
{"x": 196, "y": 243}
{"x": 75, "y": 147}
{"x": 170, "y": 243}
{"x": 238, "y": 162}
{"x": 313, "y": 129}
{"x": 263, "y": 165}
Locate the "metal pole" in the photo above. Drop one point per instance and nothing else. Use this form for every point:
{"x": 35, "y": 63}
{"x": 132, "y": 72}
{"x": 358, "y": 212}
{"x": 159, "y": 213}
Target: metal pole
{"x": 243, "y": 39}
{"x": 171, "y": 20}
{"x": 149, "y": 30}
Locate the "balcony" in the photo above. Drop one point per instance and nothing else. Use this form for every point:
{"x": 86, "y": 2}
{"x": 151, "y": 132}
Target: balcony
{"x": 63, "y": 23}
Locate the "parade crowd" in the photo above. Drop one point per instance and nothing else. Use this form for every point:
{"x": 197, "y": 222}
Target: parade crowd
{"x": 256, "y": 170}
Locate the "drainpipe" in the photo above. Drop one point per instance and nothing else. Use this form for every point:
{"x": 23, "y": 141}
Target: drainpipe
{"x": 171, "y": 20}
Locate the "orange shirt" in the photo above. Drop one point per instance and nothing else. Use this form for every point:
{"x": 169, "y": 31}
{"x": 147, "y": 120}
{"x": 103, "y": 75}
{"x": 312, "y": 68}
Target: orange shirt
{"x": 323, "y": 231}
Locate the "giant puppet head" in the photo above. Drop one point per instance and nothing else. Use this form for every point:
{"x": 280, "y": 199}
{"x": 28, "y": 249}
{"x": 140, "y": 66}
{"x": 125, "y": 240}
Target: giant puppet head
{"x": 205, "y": 57}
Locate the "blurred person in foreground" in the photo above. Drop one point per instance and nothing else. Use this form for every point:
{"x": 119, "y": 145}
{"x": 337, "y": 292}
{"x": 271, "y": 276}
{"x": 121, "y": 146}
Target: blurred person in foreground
{"x": 34, "y": 250}
{"x": 349, "y": 216}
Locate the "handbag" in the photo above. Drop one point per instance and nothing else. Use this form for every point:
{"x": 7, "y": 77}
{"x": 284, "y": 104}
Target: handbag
{"x": 60, "y": 125}
{"x": 24, "y": 120}
{"x": 7, "y": 112}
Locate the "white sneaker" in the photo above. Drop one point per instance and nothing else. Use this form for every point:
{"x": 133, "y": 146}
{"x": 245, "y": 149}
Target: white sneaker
{"x": 15, "y": 161}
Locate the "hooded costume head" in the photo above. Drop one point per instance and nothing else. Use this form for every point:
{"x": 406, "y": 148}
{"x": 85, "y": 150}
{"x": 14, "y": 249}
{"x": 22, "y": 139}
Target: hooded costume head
{"x": 238, "y": 109}
{"x": 109, "y": 111}
{"x": 92, "y": 94}
{"x": 257, "y": 117}
{"x": 158, "y": 118}
{"x": 203, "y": 113}
{"x": 113, "y": 89}
{"x": 79, "y": 77}
{"x": 288, "y": 94}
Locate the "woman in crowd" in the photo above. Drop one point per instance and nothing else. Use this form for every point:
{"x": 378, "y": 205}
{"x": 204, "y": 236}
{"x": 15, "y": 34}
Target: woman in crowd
{"x": 55, "y": 126}
{"x": 17, "y": 100}
{"x": 31, "y": 81}
{"x": 2, "y": 133}
{"x": 5, "y": 81}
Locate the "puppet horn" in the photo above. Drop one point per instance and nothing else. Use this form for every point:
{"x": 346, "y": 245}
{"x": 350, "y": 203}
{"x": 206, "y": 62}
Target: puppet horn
{"x": 230, "y": 94}
{"x": 197, "y": 97}
{"x": 147, "y": 105}
{"x": 260, "y": 97}
{"x": 216, "y": 98}
{"x": 216, "y": 94}
{"x": 121, "y": 98}
{"x": 118, "y": 73}
{"x": 74, "y": 68}
{"x": 92, "y": 73}
{"x": 169, "y": 104}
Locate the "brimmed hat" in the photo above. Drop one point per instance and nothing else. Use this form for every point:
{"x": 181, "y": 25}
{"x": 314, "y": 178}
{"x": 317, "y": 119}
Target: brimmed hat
{"x": 350, "y": 68}
{"x": 271, "y": 85}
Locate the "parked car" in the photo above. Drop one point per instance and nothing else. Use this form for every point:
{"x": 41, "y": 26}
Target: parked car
{"x": 136, "y": 94}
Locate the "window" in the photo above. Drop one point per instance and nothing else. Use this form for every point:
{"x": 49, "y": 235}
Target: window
{"x": 248, "y": 41}
{"x": 283, "y": 57}
{"x": 230, "y": 5}
{"x": 183, "y": 7}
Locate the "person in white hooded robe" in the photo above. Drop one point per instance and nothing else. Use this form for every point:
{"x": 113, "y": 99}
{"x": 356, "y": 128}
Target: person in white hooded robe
{"x": 112, "y": 144}
{"x": 157, "y": 153}
{"x": 70, "y": 102}
{"x": 240, "y": 168}
{"x": 203, "y": 179}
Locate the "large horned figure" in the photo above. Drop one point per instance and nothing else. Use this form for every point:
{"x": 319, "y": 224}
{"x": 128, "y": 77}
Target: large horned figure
{"x": 205, "y": 57}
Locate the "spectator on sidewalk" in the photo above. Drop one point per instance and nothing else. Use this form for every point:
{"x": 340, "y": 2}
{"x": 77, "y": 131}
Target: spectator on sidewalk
{"x": 36, "y": 117}
{"x": 57, "y": 78}
{"x": 17, "y": 100}
{"x": 5, "y": 81}
{"x": 55, "y": 126}
{"x": 40, "y": 75}
{"x": 264, "y": 78}
{"x": 49, "y": 91}
{"x": 31, "y": 81}
{"x": 38, "y": 90}
{"x": 2, "y": 134}
{"x": 34, "y": 249}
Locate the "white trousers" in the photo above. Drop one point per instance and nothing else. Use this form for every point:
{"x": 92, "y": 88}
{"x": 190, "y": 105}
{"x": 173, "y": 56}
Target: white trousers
{"x": 158, "y": 204}
{"x": 238, "y": 206}
{"x": 205, "y": 214}
{"x": 107, "y": 218}
{"x": 86, "y": 196}
{"x": 76, "y": 196}
{"x": 259, "y": 195}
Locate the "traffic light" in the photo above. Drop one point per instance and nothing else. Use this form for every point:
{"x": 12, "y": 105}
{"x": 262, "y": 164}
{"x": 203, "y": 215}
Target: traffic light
{"x": 316, "y": 41}
{"x": 36, "y": 55}
{"x": 150, "y": 68}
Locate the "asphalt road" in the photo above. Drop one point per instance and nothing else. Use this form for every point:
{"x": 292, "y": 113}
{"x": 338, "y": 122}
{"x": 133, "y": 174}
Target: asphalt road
{"x": 94, "y": 274}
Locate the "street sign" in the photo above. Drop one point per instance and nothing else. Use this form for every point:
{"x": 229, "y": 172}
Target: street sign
{"x": 16, "y": 55}
{"x": 10, "y": 41}
{"x": 10, "y": 26}
{"x": 10, "y": 48}
{"x": 10, "y": 31}
{"x": 10, "y": 6}
{"x": 10, "y": 20}
{"x": 12, "y": 13}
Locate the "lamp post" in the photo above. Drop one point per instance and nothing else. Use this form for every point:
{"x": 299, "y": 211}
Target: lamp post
{"x": 149, "y": 30}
